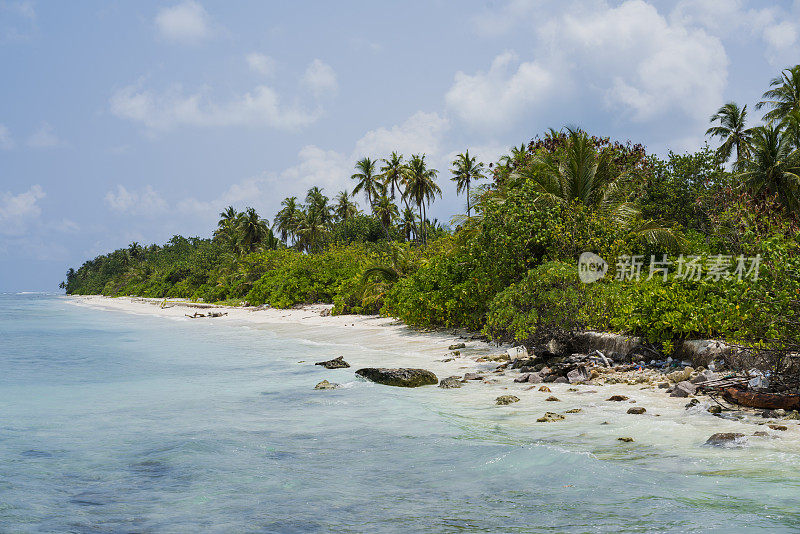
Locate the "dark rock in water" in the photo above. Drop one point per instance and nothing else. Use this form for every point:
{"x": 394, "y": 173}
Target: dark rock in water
{"x": 523, "y": 378}
{"x": 545, "y": 389}
{"x": 407, "y": 378}
{"x": 715, "y": 409}
{"x": 625, "y": 440}
{"x": 457, "y": 346}
{"x": 724, "y": 438}
{"x": 450, "y": 382}
{"x": 574, "y": 410}
{"x": 760, "y": 434}
{"x": 617, "y": 398}
{"x": 336, "y": 363}
{"x": 502, "y": 400}
{"x": 520, "y": 363}
{"x": 637, "y": 410}
{"x": 326, "y": 385}
{"x": 472, "y": 376}
{"x": 683, "y": 389}
{"x": 782, "y": 428}
{"x": 553, "y": 399}
{"x": 692, "y": 403}
{"x": 550, "y": 417}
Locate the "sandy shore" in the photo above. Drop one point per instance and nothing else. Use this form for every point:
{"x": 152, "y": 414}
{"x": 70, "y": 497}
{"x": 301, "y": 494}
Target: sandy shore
{"x": 370, "y": 341}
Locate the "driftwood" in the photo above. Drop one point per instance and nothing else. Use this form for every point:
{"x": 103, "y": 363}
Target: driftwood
{"x": 766, "y": 401}
{"x": 197, "y": 315}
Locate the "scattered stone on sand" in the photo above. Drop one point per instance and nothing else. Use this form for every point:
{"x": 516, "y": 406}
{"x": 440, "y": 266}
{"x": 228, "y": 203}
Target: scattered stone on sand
{"x": 715, "y": 409}
{"x": 625, "y": 440}
{"x": 574, "y": 410}
{"x": 545, "y": 389}
{"x": 682, "y": 375}
{"x": 450, "y": 382}
{"x": 552, "y": 399}
{"x": 407, "y": 378}
{"x": 617, "y": 398}
{"x": 472, "y": 376}
{"x": 724, "y": 438}
{"x": 782, "y": 428}
{"x": 683, "y": 389}
{"x": 663, "y": 385}
{"x": 336, "y": 363}
{"x": 326, "y": 385}
{"x": 638, "y": 410}
{"x": 550, "y": 417}
{"x": 457, "y": 346}
{"x": 523, "y": 378}
{"x": 503, "y": 400}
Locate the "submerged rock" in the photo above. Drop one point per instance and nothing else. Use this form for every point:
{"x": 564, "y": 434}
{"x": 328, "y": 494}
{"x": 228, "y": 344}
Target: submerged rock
{"x": 574, "y": 410}
{"x": 457, "y": 346}
{"x": 450, "y": 382}
{"x": 552, "y": 399}
{"x": 724, "y": 438}
{"x": 407, "y": 378}
{"x": 550, "y": 417}
{"x": 336, "y": 363}
{"x": 625, "y": 440}
{"x": 326, "y": 385}
{"x": 545, "y": 389}
{"x": 638, "y": 410}
{"x": 472, "y": 376}
{"x": 782, "y": 428}
{"x": 503, "y": 400}
{"x": 617, "y": 398}
{"x": 715, "y": 409}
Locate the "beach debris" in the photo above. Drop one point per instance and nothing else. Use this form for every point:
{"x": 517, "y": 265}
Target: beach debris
{"x": 450, "y": 382}
{"x": 519, "y": 352}
{"x": 550, "y": 417}
{"x": 552, "y": 399}
{"x": 625, "y": 440}
{"x": 725, "y": 438}
{"x": 574, "y": 410}
{"x": 782, "y": 428}
{"x": 402, "y": 377}
{"x": 503, "y": 400}
{"x": 617, "y": 398}
{"x": 637, "y": 410}
{"x": 198, "y": 315}
{"x": 755, "y": 399}
{"x": 326, "y": 385}
{"x": 336, "y": 363}
{"x": 544, "y": 389}
{"x": 457, "y": 346}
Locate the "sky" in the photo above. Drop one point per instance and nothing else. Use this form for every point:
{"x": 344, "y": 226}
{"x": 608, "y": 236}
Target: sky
{"x": 138, "y": 120}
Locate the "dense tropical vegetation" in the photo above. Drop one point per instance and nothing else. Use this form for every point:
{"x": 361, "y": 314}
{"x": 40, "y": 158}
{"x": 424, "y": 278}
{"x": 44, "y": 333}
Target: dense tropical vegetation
{"x": 508, "y": 267}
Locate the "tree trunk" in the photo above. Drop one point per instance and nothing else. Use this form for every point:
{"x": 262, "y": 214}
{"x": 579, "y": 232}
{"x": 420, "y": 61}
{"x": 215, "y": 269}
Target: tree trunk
{"x": 468, "y": 207}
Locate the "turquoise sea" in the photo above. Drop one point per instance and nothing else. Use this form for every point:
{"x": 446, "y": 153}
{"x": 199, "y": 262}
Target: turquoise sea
{"x": 112, "y": 422}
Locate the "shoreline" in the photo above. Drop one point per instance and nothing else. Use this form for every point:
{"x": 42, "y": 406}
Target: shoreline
{"x": 386, "y": 342}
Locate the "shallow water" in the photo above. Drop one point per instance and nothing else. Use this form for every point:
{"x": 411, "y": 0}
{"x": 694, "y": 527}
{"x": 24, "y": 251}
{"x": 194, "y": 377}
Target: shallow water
{"x": 114, "y": 422}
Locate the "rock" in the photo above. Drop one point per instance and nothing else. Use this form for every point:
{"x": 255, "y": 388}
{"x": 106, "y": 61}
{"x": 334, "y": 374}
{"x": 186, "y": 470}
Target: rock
{"x": 561, "y": 380}
{"x": 336, "y": 363}
{"x": 681, "y": 376}
{"x": 780, "y": 412}
{"x": 782, "y": 428}
{"x": 715, "y": 409}
{"x": 608, "y": 343}
{"x": 617, "y": 398}
{"x": 794, "y": 415}
{"x": 692, "y": 403}
{"x": 638, "y": 410}
{"x": 533, "y": 378}
{"x": 760, "y": 434}
{"x": 550, "y": 417}
{"x": 552, "y": 399}
{"x": 497, "y": 357}
{"x": 472, "y": 376}
{"x": 705, "y": 376}
{"x": 545, "y": 389}
{"x": 574, "y": 410}
{"x": 663, "y": 385}
{"x": 625, "y": 440}
{"x": 703, "y": 351}
{"x": 724, "y": 438}
{"x": 450, "y": 382}
{"x": 683, "y": 389}
{"x": 578, "y": 375}
{"x": 457, "y": 346}
{"x": 503, "y": 400}
{"x": 326, "y": 385}
{"x": 407, "y": 378}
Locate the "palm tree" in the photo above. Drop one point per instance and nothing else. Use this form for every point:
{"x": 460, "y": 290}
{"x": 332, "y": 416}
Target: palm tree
{"x": 317, "y": 202}
{"x": 580, "y": 174}
{"x": 367, "y": 178}
{"x": 226, "y": 227}
{"x": 784, "y": 97}
{"x": 310, "y": 230}
{"x": 286, "y": 220}
{"x": 774, "y": 167}
{"x": 421, "y": 186}
{"x": 134, "y": 250}
{"x": 732, "y": 130}
{"x": 386, "y": 211}
{"x": 791, "y": 127}
{"x": 345, "y": 208}
{"x": 252, "y": 229}
{"x": 466, "y": 170}
{"x": 408, "y": 223}
{"x": 516, "y": 158}
{"x": 392, "y": 173}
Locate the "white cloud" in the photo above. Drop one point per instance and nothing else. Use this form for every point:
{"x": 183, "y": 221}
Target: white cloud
{"x": 44, "y": 137}
{"x": 261, "y": 63}
{"x": 323, "y": 168}
{"x": 145, "y": 202}
{"x": 250, "y": 192}
{"x": 6, "y": 141}
{"x": 173, "y": 108}
{"x": 186, "y": 22}
{"x": 420, "y": 133}
{"x": 320, "y": 78}
{"x": 16, "y": 211}
{"x": 490, "y": 99}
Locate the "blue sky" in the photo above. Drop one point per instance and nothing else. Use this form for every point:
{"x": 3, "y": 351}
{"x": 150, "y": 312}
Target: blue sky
{"x": 135, "y": 121}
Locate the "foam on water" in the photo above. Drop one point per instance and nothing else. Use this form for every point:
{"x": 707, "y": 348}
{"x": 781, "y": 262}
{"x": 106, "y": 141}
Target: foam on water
{"x": 119, "y": 423}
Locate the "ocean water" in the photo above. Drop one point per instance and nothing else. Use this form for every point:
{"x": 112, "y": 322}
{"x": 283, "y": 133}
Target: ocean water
{"x": 112, "y": 422}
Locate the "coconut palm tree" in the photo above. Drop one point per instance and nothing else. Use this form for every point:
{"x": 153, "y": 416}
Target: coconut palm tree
{"x": 310, "y": 230}
{"x": 733, "y": 131}
{"x": 392, "y": 173}
{"x": 252, "y": 230}
{"x": 386, "y": 211}
{"x": 345, "y": 208}
{"x": 286, "y": 220}
{"x": 368, "y": 179}
{"x": 408, "y": 223}
{"x": 784, "y": 97}
{"x": 466, "y": 170}
{"x": 421, "y": 187}
{"x": 226, "y": 232}
{"x": 774, "y": 167}
{"x": 134, "y": 250}
{"x": 580, "y": 174}
{"x": 317, "y": 202}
